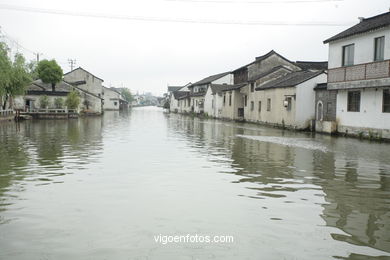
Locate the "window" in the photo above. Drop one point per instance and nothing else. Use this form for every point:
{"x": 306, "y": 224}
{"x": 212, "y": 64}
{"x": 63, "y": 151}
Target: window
{"x": 245, "y": 100}
{"x": 289, "y": 103}
{"x": 386, "y": 101}
{"x": 348, "y": 55}
{"x": 353, "y": 101}
{"x": 224, "y": 99}
{"x": 212, "y": 103}
{"x": 268, "y": 104}
{"x": 379, "y": 48}
{"x": 252, "y": 87}
{"x": 259, "y": 106}
{"x": 230, "y": 100}
{"x": 252, "y": 105}
{"x": 115, "y": 103}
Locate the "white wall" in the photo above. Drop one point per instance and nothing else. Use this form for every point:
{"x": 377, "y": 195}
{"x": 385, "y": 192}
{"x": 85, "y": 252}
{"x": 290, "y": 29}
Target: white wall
{"x": 110, "y": 98}
{"x": 364, "y": 47}
{"x": 305, "y": 105}
{"x": 370, "y": 114}
{"x": 227, "y": 79}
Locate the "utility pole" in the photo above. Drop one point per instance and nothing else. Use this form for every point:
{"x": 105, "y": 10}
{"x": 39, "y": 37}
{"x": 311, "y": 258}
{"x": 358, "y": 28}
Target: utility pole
{"x": 72, "y": 63}
{"x": 37, "y": 54}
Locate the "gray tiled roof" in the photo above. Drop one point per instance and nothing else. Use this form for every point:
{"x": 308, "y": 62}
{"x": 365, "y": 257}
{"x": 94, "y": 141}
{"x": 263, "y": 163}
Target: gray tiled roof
{"x": 210, "y": 79}
{"x": 174, "y": 88}
{"x": 216, "y": 88}
{"x": 263, "y": 57}
{"x": 62, "y": 86}
{"x": 312, "y": 65}
{"x": 368, "y": 24}
{"x": 290, "y": 80}
{"x": 180, "y": 94}
{"x": 259, "y": 76}
{"x": 234, "y": 87}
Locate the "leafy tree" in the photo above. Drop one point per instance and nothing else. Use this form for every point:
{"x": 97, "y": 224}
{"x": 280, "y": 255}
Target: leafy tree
{"x": 73, "y": 100}
{"x": 44, "y": 101}
{"x": 32, "y": 68}
{"x": 59, "y": 103}
{"x": 14, "y": 77}
{"x": 127, "y": 95}
{"x": 49, "y": 72}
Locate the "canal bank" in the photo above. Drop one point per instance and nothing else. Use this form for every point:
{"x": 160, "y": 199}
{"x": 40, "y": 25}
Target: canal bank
{"x": 103, "y": 187}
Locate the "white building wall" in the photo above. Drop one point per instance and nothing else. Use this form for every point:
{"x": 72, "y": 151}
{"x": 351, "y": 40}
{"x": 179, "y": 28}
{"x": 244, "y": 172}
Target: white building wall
{"x": 305, "y": 97}
{"x": 364, "y": 47}
{"x": 227, "y": 79}
{"x": 209, "y": 103}
{"x": 111, "y": 99}
{"x": 370, "y": 115}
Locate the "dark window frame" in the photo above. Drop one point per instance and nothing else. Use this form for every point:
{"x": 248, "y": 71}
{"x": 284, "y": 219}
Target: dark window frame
{"x": 345, "y": 61}
{"x": 386, "y": 101}
{"x": 252, "y": 87}
{"x": 353, "y": 101}
{"x": 379, "y": 54}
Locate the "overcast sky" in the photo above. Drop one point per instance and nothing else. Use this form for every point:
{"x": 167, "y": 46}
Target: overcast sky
{"x": 147, "y": 54}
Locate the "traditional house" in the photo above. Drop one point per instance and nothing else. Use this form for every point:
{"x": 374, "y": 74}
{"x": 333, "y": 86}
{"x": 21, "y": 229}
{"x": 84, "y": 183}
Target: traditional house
{"x": 88, "y": 82}
{"x": 242, "y": 94}
{"x": 289, "y": 100}
{"x": 359, "y": 69}
{"x": 198, "y": 90}
{"x": 31, "y": 100}
{"x": 174, "y": 93}
{"x": 113, "y": 99}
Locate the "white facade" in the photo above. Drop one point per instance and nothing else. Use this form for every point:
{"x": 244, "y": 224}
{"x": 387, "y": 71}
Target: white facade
{"x": 373, "y": 78}
{"x": 92, "y": 84}
{"x": 111, "y": 99}
{"x": 211, "y": 104}
{"x": 364, "y": 47}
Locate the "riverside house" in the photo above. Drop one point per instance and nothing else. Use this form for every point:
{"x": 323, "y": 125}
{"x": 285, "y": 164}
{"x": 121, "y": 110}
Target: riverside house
{"x": 267, "y": 91}
{"x": 90, "y": 83}
{"x": 359, "y": 70}
{"x": 31, "y": 100}
{"x": 113, "y": 99}
{"x": 199, "y": 101}
{"x": 174, "y": 95}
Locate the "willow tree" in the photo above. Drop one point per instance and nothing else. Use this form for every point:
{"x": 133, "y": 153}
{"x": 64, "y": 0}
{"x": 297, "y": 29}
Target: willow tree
{"x": 14, "y": 76}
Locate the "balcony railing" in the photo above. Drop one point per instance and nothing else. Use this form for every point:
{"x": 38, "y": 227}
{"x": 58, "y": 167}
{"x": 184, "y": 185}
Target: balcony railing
{"x": 365, "y": 71}
{"x": 51, "y": 111}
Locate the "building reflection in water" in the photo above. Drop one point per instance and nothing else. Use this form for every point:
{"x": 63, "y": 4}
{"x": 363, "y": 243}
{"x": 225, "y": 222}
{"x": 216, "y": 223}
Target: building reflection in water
{"x": 353, "y": 175}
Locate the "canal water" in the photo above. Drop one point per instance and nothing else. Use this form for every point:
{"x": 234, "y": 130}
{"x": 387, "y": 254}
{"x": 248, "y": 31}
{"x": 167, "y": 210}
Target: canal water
{"x": 106, "y": 187}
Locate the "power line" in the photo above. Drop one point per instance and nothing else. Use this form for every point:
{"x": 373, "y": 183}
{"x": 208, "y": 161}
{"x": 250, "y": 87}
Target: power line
{"x": 160, "y": 19}
{"x": 255, "y": 2}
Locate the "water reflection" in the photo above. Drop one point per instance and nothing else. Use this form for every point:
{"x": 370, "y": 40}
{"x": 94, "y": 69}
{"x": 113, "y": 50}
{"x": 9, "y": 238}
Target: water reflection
{"x": 352, "y": 176}
{"x": 101, "y": 187}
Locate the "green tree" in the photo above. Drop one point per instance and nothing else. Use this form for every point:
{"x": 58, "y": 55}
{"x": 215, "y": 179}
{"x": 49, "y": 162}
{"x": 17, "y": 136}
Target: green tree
{"x": 14, "y": 77}
{"x": 32, "y": 68}
{"x": 59, "y": 103}
{"x": 127, "y": 95}
{"x": 44, "y": 101}
{"x": 73, "y": 100}
{"x": 49, "y": 72}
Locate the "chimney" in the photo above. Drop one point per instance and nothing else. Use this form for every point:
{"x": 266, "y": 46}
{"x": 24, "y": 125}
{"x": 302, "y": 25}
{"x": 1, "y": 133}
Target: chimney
{"x": 361, "y": 19}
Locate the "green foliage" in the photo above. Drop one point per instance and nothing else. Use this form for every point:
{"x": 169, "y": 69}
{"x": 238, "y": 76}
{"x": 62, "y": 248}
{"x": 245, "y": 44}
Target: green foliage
{"x": 44, "y": 101}
{"x": 59, "y": 103}
{"x": 14, "y": 76}
{"x": 49, "y": 72}
{"x": 32, "y": 68}
{"x": 127, "y": 95}
{"x": 73, "y": 100}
